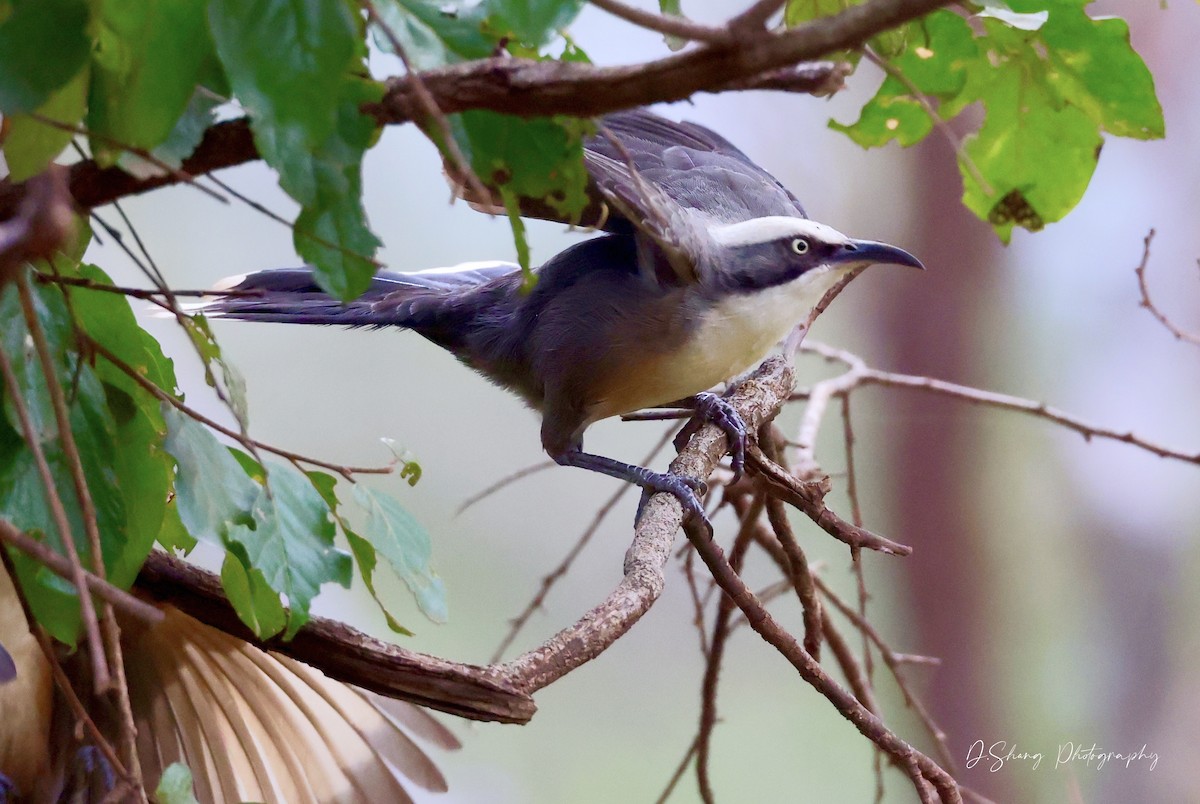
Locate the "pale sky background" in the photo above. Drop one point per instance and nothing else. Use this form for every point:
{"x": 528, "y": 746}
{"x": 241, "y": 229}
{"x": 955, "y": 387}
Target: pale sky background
{"x": 1063, "y": 325}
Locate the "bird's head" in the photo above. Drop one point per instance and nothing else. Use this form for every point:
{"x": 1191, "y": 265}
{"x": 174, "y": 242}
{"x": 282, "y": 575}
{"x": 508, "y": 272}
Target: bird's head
{"x": 773, "y": 251}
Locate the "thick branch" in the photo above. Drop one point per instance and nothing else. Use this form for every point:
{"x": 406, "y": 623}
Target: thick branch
{"x": 345, "y": 653}
{"x": 529, "y": 88}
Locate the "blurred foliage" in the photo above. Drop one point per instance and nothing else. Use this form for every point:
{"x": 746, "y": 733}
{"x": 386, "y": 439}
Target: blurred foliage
{"x": 147, "y": 77}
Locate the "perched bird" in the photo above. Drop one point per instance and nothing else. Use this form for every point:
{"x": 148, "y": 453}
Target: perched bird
{"x": 707, "y": 263}
{"x": 250, "y": 725}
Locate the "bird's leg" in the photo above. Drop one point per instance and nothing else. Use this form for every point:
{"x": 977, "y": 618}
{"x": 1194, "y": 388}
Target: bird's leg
{"x": 713, "y": 409}
{"x": 685, "y": 489}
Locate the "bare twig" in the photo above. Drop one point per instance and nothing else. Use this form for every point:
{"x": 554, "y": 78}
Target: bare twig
{"x": 347, "y": 472}
{"x": 504, "y": 482}
{"x": 722, "y": 626}
{"x": 61, "y": 567}
{"x": 1140, "y": 271}
{"x": 956, "y": 142}
{"x": 918, "y": 766}
{"x": 678, "y": 27}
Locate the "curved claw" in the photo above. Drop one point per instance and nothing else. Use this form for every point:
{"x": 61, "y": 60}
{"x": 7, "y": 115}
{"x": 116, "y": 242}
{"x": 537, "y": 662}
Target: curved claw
{"x": 685, "y": 489}
{"x": 716, "y": 410}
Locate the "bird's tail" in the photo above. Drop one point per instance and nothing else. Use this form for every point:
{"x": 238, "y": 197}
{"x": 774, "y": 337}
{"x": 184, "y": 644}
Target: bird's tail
{"x": 292, "y": 296}
{"x": 251, "y": 725}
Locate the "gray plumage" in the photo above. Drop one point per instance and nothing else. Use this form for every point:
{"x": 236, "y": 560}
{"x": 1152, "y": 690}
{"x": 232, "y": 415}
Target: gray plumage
{"x": 707, "y": 262}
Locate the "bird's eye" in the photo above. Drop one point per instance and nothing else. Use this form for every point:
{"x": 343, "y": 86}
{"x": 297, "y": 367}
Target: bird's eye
{"x": 800, "y": 245}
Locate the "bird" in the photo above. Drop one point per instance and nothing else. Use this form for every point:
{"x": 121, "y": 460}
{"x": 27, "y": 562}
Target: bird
{"x": 704, "y": 263}
{"x": 250, "y": 725}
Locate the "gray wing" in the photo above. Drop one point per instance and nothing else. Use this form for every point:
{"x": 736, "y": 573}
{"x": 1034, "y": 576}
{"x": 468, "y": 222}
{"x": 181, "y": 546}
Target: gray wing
{"x": 687, "y": 165}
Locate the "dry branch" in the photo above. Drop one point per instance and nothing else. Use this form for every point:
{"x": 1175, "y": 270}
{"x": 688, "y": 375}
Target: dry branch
{"x": 529, "y": 88}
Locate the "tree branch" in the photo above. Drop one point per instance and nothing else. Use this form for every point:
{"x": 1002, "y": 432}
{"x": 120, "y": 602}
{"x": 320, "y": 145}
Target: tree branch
{"x": 529, "y": 88}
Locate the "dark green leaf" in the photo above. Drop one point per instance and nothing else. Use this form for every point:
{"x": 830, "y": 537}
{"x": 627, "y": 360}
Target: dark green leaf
{"x": 287, "y": 61}
{"x": 43, "y": 44}
{"x": 147, "y": 60}
{"x": 406, "y": 546}
{"x": 331, "y": 231}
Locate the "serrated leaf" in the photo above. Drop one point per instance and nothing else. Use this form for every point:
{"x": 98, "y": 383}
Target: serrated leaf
{"x": 291, "y": 542}
{"x": 394, "y": 533}
{"x": 175, "y": 785}
{"x": 30, "y": 145}
{"x": 139, "y": 91}
{"x": 43, "y": 44}
{"x": 212, "y": 493}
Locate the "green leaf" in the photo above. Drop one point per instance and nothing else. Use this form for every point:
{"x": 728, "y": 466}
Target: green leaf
{"x": 147, "y": 61}
{"x": 92, "y": 417}
{"x": 540, "y": 157}
{"x": 43, "y": 45}
{"x": 434, "y": 33}
{"x": 892, "y": 114}
{"x": 282, "y": 531}
{"x": 212, "y": 493}
{"x": 532, "y": 23}
{"x": 175, "y": 785}
{"x": 672, "y": 8}
{"x": 30, "y": 144}
{"x": 256, "y": 603}
{"x": 331, "y": 231}
{"x": 1037, "y": 153}
{"x": 188, "y": 131}
{"x": 406, "y": 546}
{"x": 1094, "y": 66}
{"x": 231, "y": 382}
{"x": 287, "y": 61}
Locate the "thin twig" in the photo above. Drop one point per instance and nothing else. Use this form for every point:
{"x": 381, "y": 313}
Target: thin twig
{"x": 918, "y": 766}
{"x": 75, "y": 571}
{"x": 1146, "y": 302}
{"x": 956, "y": 142}
{"x": 893, "y": 662}
{"x": 347, "y": 472}
{"x": 504, "y": 482}
{"x": 678, "y": 27}
{"x": 722, "y": 626}
{"x": 680, "y": 769}
{"x": 142, "y": 294}
{"x": 871, "y": 376}
{"x": 430, "y": 106}
{"x": 180, "y": 176}
{"x": 63, "y": 568}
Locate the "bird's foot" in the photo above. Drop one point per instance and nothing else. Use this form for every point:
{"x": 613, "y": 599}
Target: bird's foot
{"x": 713, "y": 409}
{"x": 687, "y": 490}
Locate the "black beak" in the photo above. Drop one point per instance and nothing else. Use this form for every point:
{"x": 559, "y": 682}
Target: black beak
{"x": 871, "y": 252}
